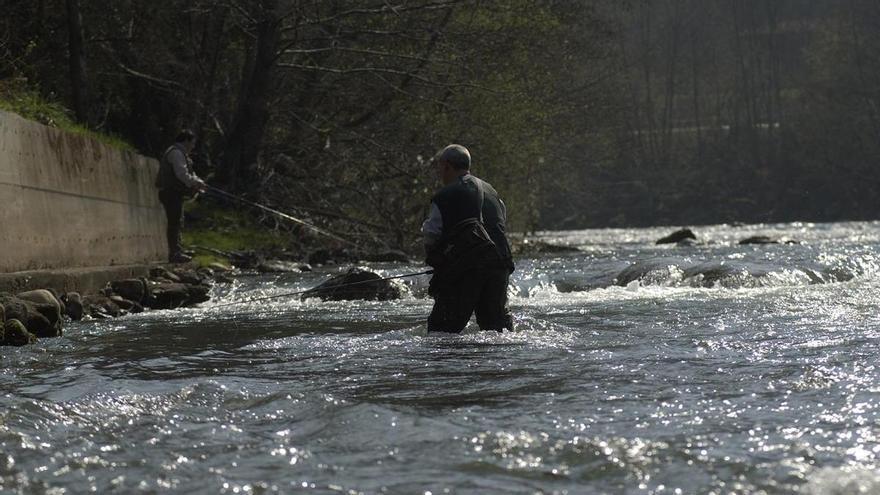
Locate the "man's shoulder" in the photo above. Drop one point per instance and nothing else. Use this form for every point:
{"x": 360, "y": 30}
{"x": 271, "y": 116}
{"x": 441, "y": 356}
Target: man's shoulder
{"x": 173, "y": 150}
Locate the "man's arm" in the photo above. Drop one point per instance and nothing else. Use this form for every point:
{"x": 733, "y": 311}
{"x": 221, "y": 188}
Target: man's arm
{"x": 432, "y": 228}
{"x": 181, "y": 171}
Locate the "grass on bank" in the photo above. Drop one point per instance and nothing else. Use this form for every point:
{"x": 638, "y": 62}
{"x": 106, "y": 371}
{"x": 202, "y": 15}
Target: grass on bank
{"x": 223, "y": 228}
{"x": 15, "y": 97}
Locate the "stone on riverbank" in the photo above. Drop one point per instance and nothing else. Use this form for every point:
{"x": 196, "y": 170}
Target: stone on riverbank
{"x": 133, "y": 289}
{"x": 101, "y": 306}
{"x": 16, "y": 334}
{"x": 48, "y": 305}
{"x": 41, "y": 319}
{"x": 74, "y": 305}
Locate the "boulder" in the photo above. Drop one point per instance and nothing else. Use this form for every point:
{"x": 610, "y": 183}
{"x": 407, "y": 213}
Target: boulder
{"x": 641, "y": 270}
{"x": 123, "y": 303}
{"x": 759, "y": 239}
{"x": 159, "y": 272}
{"x": 132, "y": 289}
{"x": 166, "y": 295}
{"x": 41, "y": 319}
{"x": 175, "y": 295}
{"x": 74, "y": 305}
{"x": 100, "y": 306}
{"x": 197, "y": 293}
{"x": 353, "y": 285}
{"x": 763, "y": 239}
{"x": 679, "y": 236}
{"x": 15, "y": 333}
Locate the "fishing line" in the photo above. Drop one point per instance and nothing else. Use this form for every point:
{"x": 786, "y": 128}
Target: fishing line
{"x": 280, "y": 214}
{"x": 318, "y": 290}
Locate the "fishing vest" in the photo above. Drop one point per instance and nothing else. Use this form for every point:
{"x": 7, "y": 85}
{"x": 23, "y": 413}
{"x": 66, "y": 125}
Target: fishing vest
{"x": 166, "y": 180}
{"x": 473, "y": 232}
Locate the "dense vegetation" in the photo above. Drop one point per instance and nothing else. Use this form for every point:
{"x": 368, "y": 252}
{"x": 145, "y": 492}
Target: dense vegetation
{"x": 587, "y": 113}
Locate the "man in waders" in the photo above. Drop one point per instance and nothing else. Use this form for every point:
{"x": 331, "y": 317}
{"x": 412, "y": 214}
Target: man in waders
{"x": 466, "y": 244}
{"x": 176, "y": 182}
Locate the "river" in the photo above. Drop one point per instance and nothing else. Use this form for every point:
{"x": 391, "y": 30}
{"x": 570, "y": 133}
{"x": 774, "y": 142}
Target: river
{"x": 723, "y": 368}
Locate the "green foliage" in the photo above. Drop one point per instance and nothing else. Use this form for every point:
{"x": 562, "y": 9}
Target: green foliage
{"x": 227, "y": 229}
{"x": 15, "y": 97}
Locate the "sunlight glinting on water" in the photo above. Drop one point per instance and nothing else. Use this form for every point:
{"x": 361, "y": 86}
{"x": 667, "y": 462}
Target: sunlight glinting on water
{"x": 712, "y": 368}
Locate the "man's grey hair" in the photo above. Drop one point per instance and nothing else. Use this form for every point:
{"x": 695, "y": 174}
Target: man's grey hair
{"x": 456, "y": 155}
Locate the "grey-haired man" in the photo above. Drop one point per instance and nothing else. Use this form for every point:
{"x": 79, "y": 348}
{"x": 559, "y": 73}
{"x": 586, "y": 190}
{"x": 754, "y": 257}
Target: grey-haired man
{"x": 466, "y": 244}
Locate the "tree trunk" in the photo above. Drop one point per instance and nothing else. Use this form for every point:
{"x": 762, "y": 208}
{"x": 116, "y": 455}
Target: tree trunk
{"x": 77, "y": 61}
{"x": 239, "y": 167}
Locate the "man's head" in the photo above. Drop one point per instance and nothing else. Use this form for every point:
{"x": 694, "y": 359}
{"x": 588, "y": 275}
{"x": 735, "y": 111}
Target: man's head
{"x": 187, "y": 138}
{"x": 451, "y": 162}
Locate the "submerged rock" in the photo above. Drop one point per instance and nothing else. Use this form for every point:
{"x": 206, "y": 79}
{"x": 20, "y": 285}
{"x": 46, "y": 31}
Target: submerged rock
{"x": 356, "y": 284}
{"x": 759, "y": 239}
{"x": 680, "y": 236}
{"x": 641, "y": 269}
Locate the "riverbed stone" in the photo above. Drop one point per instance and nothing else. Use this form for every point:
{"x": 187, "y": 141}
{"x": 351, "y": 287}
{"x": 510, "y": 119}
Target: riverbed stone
{"x": 123, "y": 303}
{"x": 167, "y": 295}
{"x": 160, "y": 272}
{"x": 132, "y": 289}
{"x": 41, "y": 319}
{"x": 16, "y": 334}
{"x": 74, "y": 305}
{"x": 680, "y": 236}
{"x": 100, "y": 306}
{"x": 356, "y": 284}
{"x": 759, "y": 239}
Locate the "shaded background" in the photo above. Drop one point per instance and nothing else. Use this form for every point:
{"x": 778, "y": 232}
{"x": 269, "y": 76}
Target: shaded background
{"x": 583, "y": 114}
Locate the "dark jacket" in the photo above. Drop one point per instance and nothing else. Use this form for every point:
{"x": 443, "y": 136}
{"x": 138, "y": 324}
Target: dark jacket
{"x": 167, "y": 181}
{"x": 474, "y": 228}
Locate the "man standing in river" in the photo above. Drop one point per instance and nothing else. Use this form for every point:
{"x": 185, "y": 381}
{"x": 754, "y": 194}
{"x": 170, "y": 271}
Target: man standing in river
{"x": 466, "y": 244}
{"x": 176, "y": 182}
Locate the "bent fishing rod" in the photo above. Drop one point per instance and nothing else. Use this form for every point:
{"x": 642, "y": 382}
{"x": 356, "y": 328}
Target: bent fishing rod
{"x": 319, "y": 290}
{"x": 279, "y": 214}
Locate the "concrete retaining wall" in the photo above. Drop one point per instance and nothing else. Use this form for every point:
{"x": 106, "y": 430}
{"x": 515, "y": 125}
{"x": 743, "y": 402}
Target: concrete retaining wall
{"x": 68, "y": 201}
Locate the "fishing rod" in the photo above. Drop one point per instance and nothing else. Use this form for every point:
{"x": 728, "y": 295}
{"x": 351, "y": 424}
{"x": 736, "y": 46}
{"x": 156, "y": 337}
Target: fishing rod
{"x": 288, "y": 294}
{"x": 280, "y": 214}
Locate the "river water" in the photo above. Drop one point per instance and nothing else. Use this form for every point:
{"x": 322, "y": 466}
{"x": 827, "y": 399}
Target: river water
{"x": 716, "y": 368}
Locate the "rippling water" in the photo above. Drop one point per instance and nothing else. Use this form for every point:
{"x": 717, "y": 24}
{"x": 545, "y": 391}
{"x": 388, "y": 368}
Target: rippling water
{"x": 717, "y": 368}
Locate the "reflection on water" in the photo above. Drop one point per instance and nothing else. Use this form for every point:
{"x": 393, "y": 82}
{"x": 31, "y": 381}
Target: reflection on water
{"x": 760, "y": 380}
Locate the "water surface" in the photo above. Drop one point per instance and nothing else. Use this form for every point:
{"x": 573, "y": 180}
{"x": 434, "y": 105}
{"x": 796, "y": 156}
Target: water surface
{"x": 719, "y": 368}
